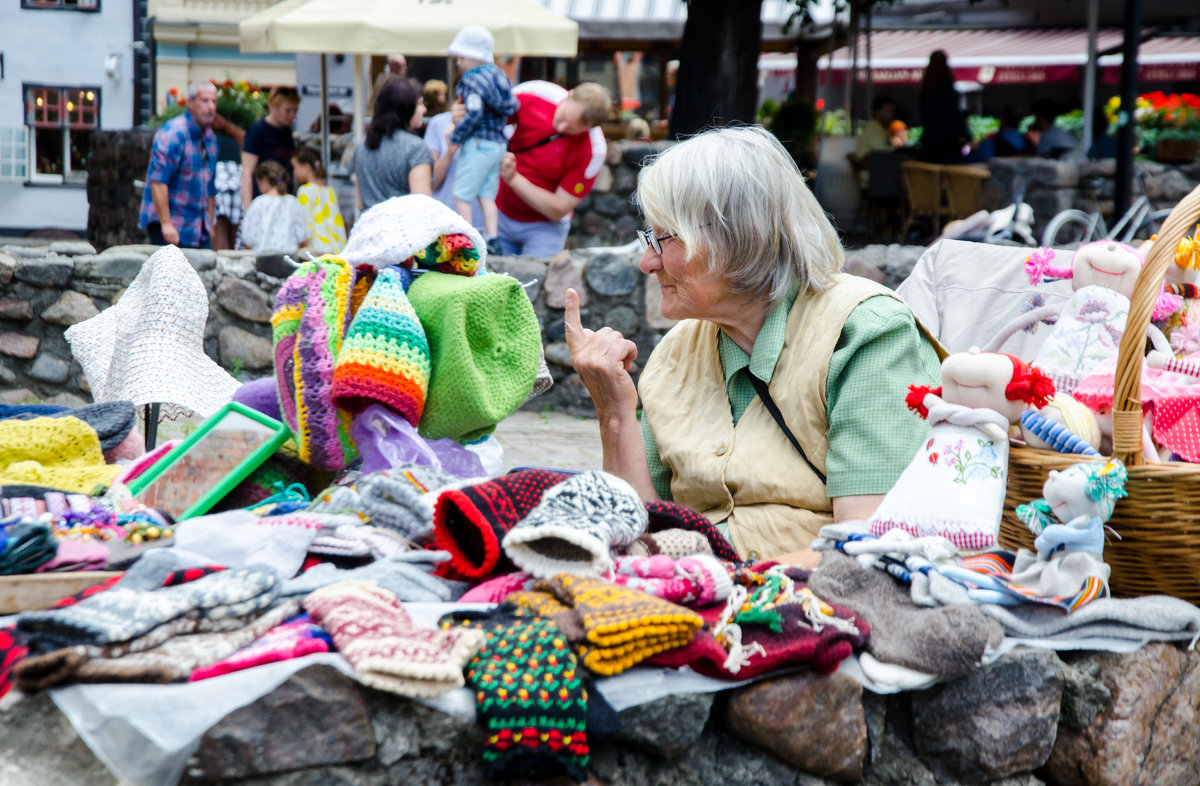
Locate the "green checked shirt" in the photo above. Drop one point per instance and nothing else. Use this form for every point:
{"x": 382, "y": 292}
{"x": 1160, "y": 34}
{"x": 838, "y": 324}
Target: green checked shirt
{"x": 872, "y": 434}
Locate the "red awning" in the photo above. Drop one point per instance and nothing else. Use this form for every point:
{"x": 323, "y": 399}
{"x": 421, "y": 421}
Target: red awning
{"x": 1013, "y": 57}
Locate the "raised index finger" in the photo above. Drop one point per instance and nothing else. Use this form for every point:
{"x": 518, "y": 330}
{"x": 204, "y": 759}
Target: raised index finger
{"x": 571, "y": 321}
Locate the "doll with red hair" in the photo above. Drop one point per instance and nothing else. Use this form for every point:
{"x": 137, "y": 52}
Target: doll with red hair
{"x": 954, "y": 487}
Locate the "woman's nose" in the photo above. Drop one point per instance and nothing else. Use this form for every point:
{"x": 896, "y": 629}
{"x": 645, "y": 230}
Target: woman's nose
{"x": 650, "y": 261}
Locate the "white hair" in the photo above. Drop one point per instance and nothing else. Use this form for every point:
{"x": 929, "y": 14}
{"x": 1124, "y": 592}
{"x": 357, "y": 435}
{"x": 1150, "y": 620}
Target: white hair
{"x": 195, "y": 87}
{"x": 736, "y": 196}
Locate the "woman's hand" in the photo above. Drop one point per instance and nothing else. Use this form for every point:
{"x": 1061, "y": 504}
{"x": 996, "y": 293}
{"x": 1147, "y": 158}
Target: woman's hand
{"x": 602, "y": 358}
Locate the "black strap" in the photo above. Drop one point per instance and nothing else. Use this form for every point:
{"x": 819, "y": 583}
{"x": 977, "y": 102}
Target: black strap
{"x": 769, "y": 403}
{"x": 543, "y": 141}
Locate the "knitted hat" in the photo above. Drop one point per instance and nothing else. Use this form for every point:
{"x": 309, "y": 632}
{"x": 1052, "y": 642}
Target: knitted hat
{"x": 669, "y": 515}
{"x": 112, "y": 420}
{"x": 576, "y": 526}
{"x": 613, "y": 627}
{"x": 385, "y": 356}
{"x": 470, "y": 522}
{"x": 473, "y": 42}
{"x": 371, "y": 628}
{"x": 261, "y": 395}
{"x": 148, "y": 347}
{"x": 674, "y": 543}
{"x": 530, "y": 696}
{"x": 295, "y": 638}
{"x": 62, "y": 453}
{"x": 448, "y": 254}
{"x": 484, "y": 343}
{"x": 397, "y": 229}
{"x": 312, "y": 311}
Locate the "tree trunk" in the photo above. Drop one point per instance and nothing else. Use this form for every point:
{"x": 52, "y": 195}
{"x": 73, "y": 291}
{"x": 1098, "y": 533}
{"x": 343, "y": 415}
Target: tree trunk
{"x": 718, "y": 65}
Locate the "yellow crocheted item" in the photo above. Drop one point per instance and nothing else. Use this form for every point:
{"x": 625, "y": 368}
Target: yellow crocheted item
{"x": 62, "y": 453}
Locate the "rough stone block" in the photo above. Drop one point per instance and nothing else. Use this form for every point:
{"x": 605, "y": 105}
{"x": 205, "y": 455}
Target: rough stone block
{"x": 610, "y": 205}
{"x": 16, "y": 309}
{"x": 624, "y": 320}
{"x": 669, "y": 726}
{"x": 317, "y": 717}
{"x": 593, "y": 225}
{"x": 7, "y": 265}
{"x": 48, "y": 368}
{"x": 612, "y": 155}
{"x": 609, "y": 274}
{"x": 19, "y": 396}
{"x": 604, "y": 181}
{"x": 959, "y": 734}
{"x": 70, "y": 309}
{"x": 38, "y": 746}
{"x": 119, "y": 266}
{"x": 45, "y": 272}
{"x": 558, "y": 354}
{"x": 67, "y": 400}
{"x": 813, "y": 722}
{"x": 8, "y": 377}
{"x": 857, "y": 266}
{"x": 19, "y": 345}
{"x": 1150, "y": 730}
{"x": 564, "y": 273}
{"x": 201, "y": 259}
{"x": 530, "y": 271}
{"x": 237, "y": 344}
{"x": 72, "y": 247}
{"x": 243, "y": 299}
{"x": 239, "y": 266}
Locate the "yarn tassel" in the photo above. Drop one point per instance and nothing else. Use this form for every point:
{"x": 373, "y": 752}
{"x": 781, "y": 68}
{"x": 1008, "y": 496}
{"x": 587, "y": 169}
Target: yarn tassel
{"x": 1055, "y": 434}
{"x": 1039, "y": 266}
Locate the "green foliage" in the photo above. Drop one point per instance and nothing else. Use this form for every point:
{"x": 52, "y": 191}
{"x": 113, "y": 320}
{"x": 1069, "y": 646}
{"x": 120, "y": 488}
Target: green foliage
{"x": 795, "y": 125}
{"x": 241, "y": 103}
{"x": 982, "y": 126}
{"x": 836, "y": 123}
{"x": 766, "y": 112}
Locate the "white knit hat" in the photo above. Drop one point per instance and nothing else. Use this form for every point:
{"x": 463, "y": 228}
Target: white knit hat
{"x": 148, "y": 347}
{"x": 474, "y": 42}
{"x": 395, "y": 229}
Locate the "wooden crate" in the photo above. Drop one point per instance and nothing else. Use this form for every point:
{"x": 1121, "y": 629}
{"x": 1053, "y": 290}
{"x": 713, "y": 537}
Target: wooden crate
{"x": 33, "y": 591}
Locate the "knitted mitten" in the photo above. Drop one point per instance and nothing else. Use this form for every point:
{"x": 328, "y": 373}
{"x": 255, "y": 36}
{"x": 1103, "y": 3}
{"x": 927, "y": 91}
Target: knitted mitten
{"x": 674, "y": 543}
{"x": 293, "y": 639}
{"x": 529, "y": 694}
{"x": 402, "y": 499}
{"x": 408, "y": 576}
{"x": 371, "y": 628}
{"x": 497, "y": 588}
{"x": 576, "y": 526}
{"x": 385, "y": 357}
{"x": 340, "y": 541}
{"x": 310, "y": 318}
{"x": 124, "y": 613}
{"x": 698, "y": 580}
{"x": 470, "y": 522}
{"x": 620, "y": 626}
{"x": 668, "y": 515}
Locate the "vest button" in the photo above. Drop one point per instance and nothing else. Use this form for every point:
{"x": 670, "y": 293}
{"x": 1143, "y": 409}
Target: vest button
{"x": 753, "y": 556}
{"x": 721, "y": 451}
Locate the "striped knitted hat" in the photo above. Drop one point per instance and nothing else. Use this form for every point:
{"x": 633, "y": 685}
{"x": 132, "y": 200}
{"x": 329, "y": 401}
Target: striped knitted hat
{"x": 385, "y": 357}
{"x": 312, "y": 310}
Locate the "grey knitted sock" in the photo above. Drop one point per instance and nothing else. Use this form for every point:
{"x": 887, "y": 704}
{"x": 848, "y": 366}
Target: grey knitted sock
{"x": 402, "y": 498}
{"x": 409, "y": 576}
{"x": 576, "y": 526}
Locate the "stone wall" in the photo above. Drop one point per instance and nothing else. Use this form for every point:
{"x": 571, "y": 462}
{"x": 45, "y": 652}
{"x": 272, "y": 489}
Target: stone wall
{"x": 114, "y": 203}
{"x": 1031, "y": 718}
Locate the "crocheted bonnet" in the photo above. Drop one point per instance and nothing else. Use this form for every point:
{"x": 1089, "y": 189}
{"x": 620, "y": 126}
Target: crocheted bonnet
{"x": 416, "y": 231}
{"x": 312, "y": 310}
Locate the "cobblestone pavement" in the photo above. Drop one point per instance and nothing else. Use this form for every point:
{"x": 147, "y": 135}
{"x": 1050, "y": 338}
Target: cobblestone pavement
{"x": 549, "y": 439}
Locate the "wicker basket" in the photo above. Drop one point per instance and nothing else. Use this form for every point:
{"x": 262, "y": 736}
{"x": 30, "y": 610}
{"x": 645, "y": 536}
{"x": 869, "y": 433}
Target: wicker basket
{"x": 1159, "y": 522}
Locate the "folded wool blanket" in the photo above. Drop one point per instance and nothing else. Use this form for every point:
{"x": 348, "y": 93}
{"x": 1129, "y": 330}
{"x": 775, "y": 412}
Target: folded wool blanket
{"x": 948, "y": 641}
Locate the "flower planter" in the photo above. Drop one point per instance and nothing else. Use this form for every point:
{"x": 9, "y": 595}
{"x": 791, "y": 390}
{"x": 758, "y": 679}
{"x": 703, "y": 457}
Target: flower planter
{"x": 1177, "y": 151}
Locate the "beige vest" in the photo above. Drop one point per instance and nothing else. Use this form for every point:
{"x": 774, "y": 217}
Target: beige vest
{"x": 751, "y": 474}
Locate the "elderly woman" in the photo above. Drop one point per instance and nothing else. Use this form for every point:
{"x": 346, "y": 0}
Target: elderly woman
{"x": 777, "y": 404}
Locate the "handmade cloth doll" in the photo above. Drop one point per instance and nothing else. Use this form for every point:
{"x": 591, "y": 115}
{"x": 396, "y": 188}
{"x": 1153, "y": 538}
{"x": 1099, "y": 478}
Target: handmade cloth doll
{"x": 1068, "y": 568}
{"x": 1064, "y": 424}
{"x": 954, "y": 486}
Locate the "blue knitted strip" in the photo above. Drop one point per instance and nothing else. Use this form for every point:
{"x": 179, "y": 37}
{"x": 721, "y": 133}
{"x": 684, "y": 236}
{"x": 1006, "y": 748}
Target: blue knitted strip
{"x": 1056, "y": 435}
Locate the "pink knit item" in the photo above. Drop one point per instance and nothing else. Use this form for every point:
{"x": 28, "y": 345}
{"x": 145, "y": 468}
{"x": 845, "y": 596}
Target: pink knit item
{"x": 691, "y": 581}
{"x": 147, "y": 460}
{"x": 295, "y": 638}
{"x": 496, "y": 589}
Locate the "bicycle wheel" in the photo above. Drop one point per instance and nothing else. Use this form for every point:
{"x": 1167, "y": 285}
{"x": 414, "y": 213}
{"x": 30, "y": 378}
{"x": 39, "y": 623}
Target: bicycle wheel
{"x": 1150, "y": 225}
{"x": 1068, "y": 229}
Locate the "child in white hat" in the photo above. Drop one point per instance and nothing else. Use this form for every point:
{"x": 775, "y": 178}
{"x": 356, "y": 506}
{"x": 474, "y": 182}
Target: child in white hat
{"x": 487, "y": 96}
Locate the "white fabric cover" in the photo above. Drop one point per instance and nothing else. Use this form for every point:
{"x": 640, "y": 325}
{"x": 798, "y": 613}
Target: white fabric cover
{"x": 394, "y": 230}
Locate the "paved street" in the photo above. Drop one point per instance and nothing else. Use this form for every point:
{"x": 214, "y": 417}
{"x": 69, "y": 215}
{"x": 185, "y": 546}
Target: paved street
{"x": 549, "y": 439}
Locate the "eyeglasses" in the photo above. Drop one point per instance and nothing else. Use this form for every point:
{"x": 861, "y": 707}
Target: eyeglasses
{"x": 647, "y": 239}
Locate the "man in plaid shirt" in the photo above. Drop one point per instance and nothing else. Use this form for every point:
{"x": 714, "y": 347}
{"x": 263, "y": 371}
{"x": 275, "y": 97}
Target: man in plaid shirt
{"x": 177, "y": 204}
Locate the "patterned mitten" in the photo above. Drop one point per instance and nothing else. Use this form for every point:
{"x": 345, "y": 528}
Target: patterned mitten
{"x": 402, "y": 499}
{"x": 674, "y": 543}
{"x": 385, "y": 357}
{"x": 698, "y": 580}
{"x": 371, "y": 628}
{"x": 576, "y": 526}
{"x": 498, "y": 588}
{"x": 529, "y": 694}
{"x": 123, "y": 613}
{"x": 470, "y": 522}
{"x": 668, "y": 515}
{"x": 293, "y": 639}
{"x": 408, "y": 576}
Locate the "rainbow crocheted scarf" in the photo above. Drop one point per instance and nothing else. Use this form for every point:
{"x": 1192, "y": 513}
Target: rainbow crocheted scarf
{"x": 453, "y": 254}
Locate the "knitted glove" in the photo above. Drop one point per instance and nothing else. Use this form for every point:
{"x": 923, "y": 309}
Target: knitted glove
{"x": 385, "y": 356}
{"x": 408, "y": 576}
{"x": 613, "y": 627}
{"x": 529, "y": 694}
{"x": 668, "y": 515}
{"x": 293, "y": 639}
{"x": 401, "y": 499}
{"x": 470, "y": 522}
{"x": 371, "y": 628}
{"x": 674, "y": 543}
{"x": 576, "y": 525}
{"x": 124, "y": 613}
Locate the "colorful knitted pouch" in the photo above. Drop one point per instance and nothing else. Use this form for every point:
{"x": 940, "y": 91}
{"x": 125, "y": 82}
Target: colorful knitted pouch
{"x": 470, "y": 522}
{"x": 529, "y": 694}
{"x": 454, "y": 254}
{"x": 312, "y": 310}
{"x": 484, "y": 344}
{"x": 385, "y": 356}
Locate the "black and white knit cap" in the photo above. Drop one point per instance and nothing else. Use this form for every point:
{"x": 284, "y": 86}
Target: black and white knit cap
{"x": 576, "y": 526}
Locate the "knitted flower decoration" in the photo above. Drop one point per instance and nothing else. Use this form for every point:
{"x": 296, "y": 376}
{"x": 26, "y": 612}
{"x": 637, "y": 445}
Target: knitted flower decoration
{"x": 454, "y": 254}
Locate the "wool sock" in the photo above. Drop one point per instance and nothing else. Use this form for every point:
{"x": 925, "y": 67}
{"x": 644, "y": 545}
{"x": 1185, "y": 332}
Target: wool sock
{"x": 295, "y": 638}
{"x": 371, "y": 628}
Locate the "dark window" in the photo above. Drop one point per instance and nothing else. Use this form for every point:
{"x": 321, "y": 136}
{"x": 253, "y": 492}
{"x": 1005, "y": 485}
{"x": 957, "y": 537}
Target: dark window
{"x": 60, "y": 121}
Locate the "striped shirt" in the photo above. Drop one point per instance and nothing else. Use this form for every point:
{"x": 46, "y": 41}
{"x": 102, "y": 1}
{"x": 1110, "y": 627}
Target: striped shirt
{"x": 184, "y": 156}
{"x": 872, "y": 435}
{"x": 488, "y": 97}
